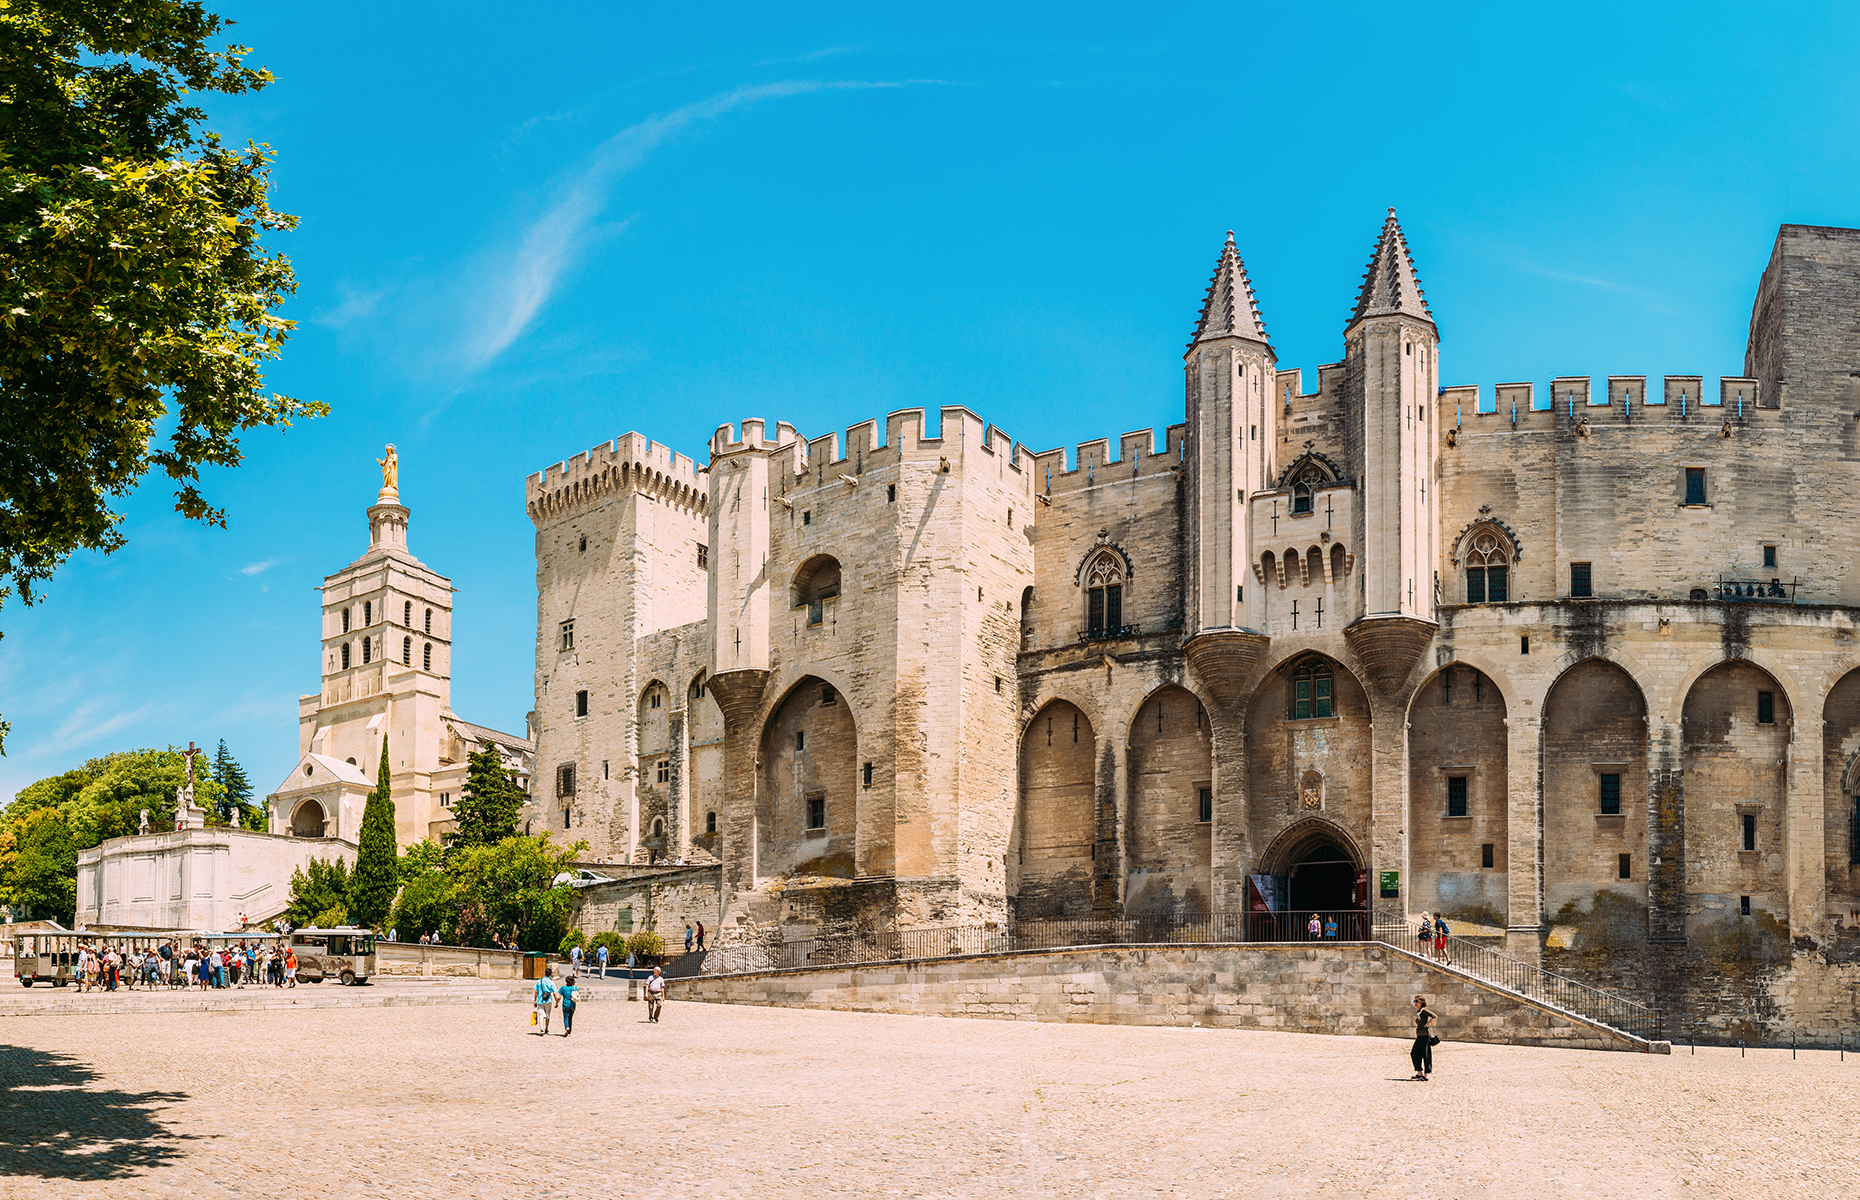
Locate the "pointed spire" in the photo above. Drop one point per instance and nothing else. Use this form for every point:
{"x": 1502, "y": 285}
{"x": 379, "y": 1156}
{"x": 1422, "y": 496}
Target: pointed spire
{"x": 1390, "y": 286}
{"x": 1230, "y": 309}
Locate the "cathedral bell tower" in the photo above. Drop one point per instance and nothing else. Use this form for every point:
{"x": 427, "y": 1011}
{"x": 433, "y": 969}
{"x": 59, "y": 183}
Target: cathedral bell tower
{"x": 1231, "y": 434}
{"x": 1392, "y": 377}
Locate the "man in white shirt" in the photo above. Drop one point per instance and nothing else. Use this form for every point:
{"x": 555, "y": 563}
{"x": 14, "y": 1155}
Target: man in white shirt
{"x": 655, "y": 995}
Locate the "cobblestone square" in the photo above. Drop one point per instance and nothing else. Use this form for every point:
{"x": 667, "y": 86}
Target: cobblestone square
{"x": 461, "y": 1100}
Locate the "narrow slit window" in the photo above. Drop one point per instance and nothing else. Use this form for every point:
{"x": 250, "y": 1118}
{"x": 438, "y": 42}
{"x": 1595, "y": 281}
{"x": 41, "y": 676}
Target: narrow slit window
{"x": 581, "y": 704}
{"x": 1766, "y": 708}
{"x": 1625, "y": 866}
{"x": 800, "y": 739}
{"x": 1749, "y": 823}
{"x": 710, "y": 823}
{"x": 426, "y": 657}
{"x": 1486, "y": 856}
{"x": 868, "y": 775}
{"x": 1695, "y": 485}
{"x": 1204, "y": 803}
{"x": 406, "y": 651}
{"x": 429, "y": 622}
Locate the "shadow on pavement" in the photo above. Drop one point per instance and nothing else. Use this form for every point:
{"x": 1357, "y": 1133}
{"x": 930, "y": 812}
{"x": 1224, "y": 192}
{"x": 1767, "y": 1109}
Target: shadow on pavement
{"x": 60, "y": 1127}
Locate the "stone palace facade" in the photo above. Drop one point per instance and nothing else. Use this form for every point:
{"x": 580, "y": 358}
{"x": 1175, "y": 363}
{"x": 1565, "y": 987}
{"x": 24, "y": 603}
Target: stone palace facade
{"x": 1544, "y": 656}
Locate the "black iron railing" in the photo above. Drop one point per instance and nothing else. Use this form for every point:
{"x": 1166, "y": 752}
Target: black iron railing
{"x": 1529, "y": 979}
{"x": 1108, "y": 632}
{"x": 1756, "y": 589}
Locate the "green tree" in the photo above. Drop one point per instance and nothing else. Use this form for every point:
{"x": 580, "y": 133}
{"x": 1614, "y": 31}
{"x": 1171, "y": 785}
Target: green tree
{"x": 489, "y": 803}
{"x": 38, "y": 867}
{"x": 236, "y": 806}
{"x": 420, "y": 858}
{"x": 425, "y": 905}
{"x": 377, "y": 870}
{"x": 316, "y": 889}
{"x": 135, "y": 288}
{"x": 511, "y": 887}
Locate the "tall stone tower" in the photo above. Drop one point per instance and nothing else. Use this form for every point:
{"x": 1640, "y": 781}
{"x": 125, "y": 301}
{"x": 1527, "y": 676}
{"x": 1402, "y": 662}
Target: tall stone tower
{"x": 387, "y": 671}
{"x": 1392, "y": 375}
{"x": 1231, "y": 455}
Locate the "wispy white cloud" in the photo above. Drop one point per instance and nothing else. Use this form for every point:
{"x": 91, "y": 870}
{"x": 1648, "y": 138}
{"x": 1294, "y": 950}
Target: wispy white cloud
{"x": 1606, "y": 285}
{"x": 84, "y": 725}
{"x": 356, "y": 303}
{"x": 553, "y": 244}
{"x": 259, "y": 568}
{"x": 810, "y": 56}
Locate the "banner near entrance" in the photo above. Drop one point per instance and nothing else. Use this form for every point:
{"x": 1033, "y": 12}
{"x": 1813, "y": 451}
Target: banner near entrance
{"x": 1264, "y": 891}
{"x": 1391, "y": 885}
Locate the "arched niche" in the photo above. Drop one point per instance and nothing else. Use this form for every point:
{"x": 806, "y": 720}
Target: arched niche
{"x": 308, "y": 820}
{"x": 1840, "y": 773}
{"x": 1458, "y": 785}
{"x": 1050, "y": 853}
{"x": 1171, "y": 798}
{"x": 1735, "y": 733}
{"x": 1308, "y": 714}
{"x": 1594, "y": 752}
{"x": 816, "y": 582}
{"x": 807, "y": 801}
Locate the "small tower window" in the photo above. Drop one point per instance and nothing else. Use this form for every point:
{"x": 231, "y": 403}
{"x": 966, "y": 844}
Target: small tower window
{"x": 1204, "y": 805}
{"x": 429, "y": 621}
{"x": 1749, "y": 822}
{"x": 800, "y": 739}
{"x": 581, "y": 704}
{"x": 1311, "y": 689}
{"x": 1769, "y": 556}
{"x": 1579, "y": 587}
{"x": 655, "y": 699}
{"x": 345, "y": 656}
{"x": 891, "y": 493}
{"x": 426, "y": 658}
{"x": 868, "y": 775}
{"x": 1695, "y": 485}
{"x": 406, "y": 651}
{"x": 584, "y": 546}
{"x": 710, "y": 823}
{"x": 663, "y": 772}
{"x": 703, "y": 555}
{"x": 828, "y": 695}
{"x": 565, "y": 779}
{"x": 368, "y": 613}
{"x": 368, "y": 651}
{"x": 816, "y": 812}
{"x": 567, "y": 629}
{"x": 1766, "y": 708}
{"x": 1456, "y": 796}
{"x": 1611, "y": 797}
{"x": 1304, "y": 488}
{"x": 406, "y": 613}
{"x": 1624, "y": 866}
{"x": 345, "y": 620}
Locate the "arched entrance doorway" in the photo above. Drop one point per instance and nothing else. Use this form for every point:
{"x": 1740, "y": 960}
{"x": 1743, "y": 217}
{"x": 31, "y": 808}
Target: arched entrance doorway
{"x": 1313, "y": 868}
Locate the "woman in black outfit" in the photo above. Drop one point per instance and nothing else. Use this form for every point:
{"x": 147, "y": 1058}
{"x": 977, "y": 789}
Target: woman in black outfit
{"x": 1422, "y": 1052}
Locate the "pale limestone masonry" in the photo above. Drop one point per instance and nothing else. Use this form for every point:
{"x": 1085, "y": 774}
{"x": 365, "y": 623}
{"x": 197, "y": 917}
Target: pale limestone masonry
{"x": 1547, "y": 657}
{"x": 1358, "y": 989}
{"x": 386, "y": 661}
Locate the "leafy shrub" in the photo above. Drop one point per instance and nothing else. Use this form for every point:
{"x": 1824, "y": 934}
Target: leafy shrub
{"x": 615, "y": 943}
{"x": 646, "y": 946}
{"x": 570, "y": 942}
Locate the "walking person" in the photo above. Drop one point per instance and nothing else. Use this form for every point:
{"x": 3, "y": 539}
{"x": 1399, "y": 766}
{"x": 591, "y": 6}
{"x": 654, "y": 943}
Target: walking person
{"x": 655, "y": 995}
{"x": 290, "y": 968}
{"x": 568, "y": 992}
{"x": 1422, "y": 1052}
{"x": 574, "y": 958}
{"x": 1427, "y": 936}
{"x": 688, "y": 936}
{"x": 600, "y": 955}
{"x": 545, "y": 1000}
{"x": 700, "y": 937}
{"x": 1440, "y": 939}
{"x": 1314, "y": 928}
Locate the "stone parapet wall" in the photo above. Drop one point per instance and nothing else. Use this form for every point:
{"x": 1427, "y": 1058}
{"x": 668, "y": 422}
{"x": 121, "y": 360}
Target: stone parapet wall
{"x": 1362, "y": 989}
{"x": 411, "y": 958}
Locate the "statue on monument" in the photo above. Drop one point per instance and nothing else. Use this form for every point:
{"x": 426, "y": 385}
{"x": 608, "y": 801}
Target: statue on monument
{"x": 390, "y": 471}
{"x": 187, "y": 815}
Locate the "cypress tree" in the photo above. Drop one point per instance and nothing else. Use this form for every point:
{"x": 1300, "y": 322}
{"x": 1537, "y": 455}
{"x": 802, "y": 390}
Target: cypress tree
{"x": 489, "y": 803}
{"x": 235, "y": 790}
{"x": 377, "y": 870}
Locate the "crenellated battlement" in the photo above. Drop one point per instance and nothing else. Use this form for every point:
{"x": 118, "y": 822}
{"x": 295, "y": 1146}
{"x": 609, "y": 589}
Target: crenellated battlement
{"x": 1570, "y": 400}
{"x": 631, "y": 462}
{"x": 863, "y": 449}
{"x": 1093, "y": 463}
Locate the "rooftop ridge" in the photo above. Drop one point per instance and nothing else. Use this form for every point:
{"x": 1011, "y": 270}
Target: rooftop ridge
{"x": 1230, "y": 308}
{"x": 1390, "y": 285}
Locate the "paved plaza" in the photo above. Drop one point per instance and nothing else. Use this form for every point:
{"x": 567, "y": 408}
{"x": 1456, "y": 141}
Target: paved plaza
{"x": 458, "y": 1099}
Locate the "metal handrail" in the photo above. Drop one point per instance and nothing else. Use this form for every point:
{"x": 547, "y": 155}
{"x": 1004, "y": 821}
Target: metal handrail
{"x": 1529, "y": 979}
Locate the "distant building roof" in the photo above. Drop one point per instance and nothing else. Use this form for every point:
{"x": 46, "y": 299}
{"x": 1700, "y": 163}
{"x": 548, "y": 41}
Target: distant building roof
{"x": 483, "y": 733}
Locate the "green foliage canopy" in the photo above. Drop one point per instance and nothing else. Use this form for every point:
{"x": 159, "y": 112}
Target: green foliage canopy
{"x": 510, "y": 889}
{"x": 316, "y": 890}
{"x": 377, "y": 868}
{"x": 489, "y": 803}
{"x": 133, "y": 275}
{"x": 236, "y": 806}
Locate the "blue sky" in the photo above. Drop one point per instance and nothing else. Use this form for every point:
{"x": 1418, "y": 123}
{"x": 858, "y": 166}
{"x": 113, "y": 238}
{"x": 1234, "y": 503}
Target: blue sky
{"x": 523, "y": 235}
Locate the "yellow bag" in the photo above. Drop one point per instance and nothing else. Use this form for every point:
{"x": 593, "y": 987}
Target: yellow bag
{"x": 532, "y": 1016}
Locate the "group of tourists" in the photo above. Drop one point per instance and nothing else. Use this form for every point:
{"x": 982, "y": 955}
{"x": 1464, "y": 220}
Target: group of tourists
{"x": 105, "y": 967}
{"x": 565, "y": 995}
{"x": 700, "y": 937}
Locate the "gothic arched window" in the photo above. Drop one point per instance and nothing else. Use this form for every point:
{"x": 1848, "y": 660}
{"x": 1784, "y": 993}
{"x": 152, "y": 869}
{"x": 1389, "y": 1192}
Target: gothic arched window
{"x": 1486, "y": 570}
{"x": 345, "y": 656}
{"x": 406, "y": 613}
{"x": 1104, "y": 595}
{"x": 1311, "y": 689}
{"x": 429, "y": 620}
{"x": 345, "y": 620}
{"x": 1304, "y": 486}
{"x": 367, "y": 651}
{"x": 427, "y": 658}
{"x": 406, "y": 651}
